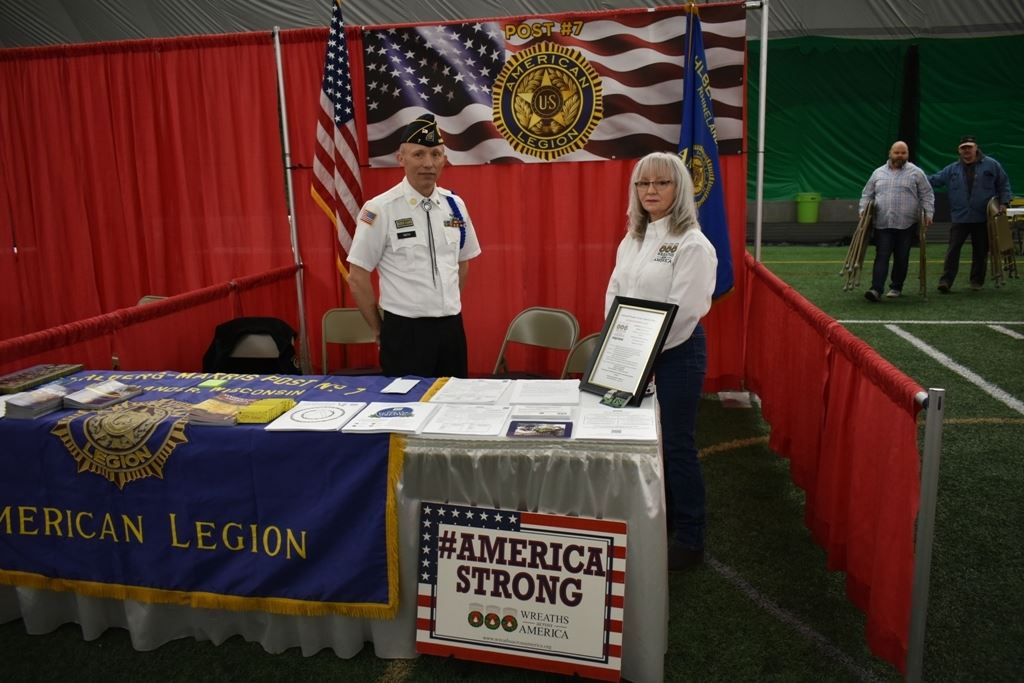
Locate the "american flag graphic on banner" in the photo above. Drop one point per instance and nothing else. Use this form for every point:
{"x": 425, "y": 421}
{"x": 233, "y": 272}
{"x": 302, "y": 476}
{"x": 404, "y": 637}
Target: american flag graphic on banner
{"x": 336, "y": 186}
{"x": 522, "y": 589}
{"x": 579, "y": 87}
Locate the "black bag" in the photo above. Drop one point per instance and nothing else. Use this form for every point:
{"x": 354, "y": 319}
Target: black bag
{"x": 228, "y": 336}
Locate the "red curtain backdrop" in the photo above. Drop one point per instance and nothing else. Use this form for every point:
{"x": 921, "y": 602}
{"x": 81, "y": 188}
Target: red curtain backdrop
{"x": 144, "y": 167}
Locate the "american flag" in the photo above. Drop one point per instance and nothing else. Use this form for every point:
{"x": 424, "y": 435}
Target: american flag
{"x": 336, "y": 186}
{"x": 449, "y": 70}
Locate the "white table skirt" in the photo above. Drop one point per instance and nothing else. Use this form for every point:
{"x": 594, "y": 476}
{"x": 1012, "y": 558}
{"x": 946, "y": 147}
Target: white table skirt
{"x": 590, "y": 479}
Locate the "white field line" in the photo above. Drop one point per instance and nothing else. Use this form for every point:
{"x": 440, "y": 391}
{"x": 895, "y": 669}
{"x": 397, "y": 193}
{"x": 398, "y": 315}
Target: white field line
{"x": 972, "y": 377}
{"x": 1007, "y": 331}
{"x": 789, "y": 619}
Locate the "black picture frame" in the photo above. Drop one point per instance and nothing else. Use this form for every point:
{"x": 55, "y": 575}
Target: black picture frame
{"x": 631, "y": 339}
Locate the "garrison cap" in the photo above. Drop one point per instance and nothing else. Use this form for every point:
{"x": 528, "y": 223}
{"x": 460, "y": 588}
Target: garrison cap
{"x": 423, "y": 131}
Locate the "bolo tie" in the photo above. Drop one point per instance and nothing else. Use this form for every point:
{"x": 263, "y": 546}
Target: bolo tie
{"x": 427, "y": 206}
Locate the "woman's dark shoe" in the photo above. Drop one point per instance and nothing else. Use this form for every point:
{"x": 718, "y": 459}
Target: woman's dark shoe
{"x": 681, "y": 558}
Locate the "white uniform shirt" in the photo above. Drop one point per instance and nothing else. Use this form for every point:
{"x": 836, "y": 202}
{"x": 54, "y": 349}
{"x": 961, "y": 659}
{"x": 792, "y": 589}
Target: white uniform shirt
{"x": 675, "y": 269}
{"x": 392, "y": 237}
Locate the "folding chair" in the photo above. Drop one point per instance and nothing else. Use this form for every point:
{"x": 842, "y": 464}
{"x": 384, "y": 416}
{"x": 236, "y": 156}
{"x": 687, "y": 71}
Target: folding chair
{"x": 552, "y": 328}
{"x": 346, "y": 326}
{"x": 579, "y": 356}
{"x": 854, "y": 262}
{"x": 1001, "y": 254}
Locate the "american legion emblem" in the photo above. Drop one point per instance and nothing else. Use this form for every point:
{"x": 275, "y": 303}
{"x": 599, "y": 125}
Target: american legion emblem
{"x": 127, "y": 441}
{"x": 547, "y": 101}
{"x": 702, "y": 170}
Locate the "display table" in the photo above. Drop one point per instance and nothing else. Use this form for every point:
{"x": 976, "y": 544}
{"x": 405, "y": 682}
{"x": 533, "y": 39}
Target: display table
{"x": 613, "y": 480}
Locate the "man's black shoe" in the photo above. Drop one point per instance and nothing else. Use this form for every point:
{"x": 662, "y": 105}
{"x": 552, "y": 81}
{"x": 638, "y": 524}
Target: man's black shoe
{"x": 944, "y": 287}
{"x": 871, "y": 295}
{"x": 681, "y": 558}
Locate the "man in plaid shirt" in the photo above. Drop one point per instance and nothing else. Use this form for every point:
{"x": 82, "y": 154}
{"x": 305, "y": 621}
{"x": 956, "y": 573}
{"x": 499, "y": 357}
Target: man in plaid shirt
{"x": 901, "y": 191}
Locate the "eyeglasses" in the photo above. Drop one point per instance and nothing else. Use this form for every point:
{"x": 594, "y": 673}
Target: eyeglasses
{"x": 642, "y": 185}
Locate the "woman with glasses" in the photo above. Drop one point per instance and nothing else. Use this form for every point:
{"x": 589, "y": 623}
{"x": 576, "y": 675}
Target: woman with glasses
{"x": 665, "y": 257}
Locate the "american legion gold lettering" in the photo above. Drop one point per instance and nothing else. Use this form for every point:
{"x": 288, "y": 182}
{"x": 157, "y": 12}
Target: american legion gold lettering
{"x": 268, "y": 540}
{"x": 30, "y": 520}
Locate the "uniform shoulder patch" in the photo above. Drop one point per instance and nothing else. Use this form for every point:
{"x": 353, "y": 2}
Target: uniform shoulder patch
{"x": 367, "y": 216}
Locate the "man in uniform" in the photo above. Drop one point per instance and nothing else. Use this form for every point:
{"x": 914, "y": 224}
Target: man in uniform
{"x": 901, "y": 194}
{"x": 419, "y": 237}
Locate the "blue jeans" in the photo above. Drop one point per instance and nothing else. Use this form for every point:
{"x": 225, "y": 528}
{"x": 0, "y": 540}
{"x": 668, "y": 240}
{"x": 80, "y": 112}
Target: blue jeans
{"x": 895, "y": 243}
{"x": 679, "y": 375}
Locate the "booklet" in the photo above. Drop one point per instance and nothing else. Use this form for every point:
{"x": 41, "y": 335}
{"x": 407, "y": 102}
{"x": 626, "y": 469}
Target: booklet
{"x": 401, "y": 418}
{"x": 29, "y": 405}
{"x": 220, "y": 410}
{"x": 96, "y": 396}
{"x": 26, "y": 378}
{"x": 316, "y": 416}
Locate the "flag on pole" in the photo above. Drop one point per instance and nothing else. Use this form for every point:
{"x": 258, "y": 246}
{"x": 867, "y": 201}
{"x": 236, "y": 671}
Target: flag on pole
{"x": 336, "y": 186}
{"x": 698, "y": 147}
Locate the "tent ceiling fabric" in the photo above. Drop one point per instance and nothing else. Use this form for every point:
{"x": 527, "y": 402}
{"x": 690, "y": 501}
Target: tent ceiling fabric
{"x": 25, "y": 23}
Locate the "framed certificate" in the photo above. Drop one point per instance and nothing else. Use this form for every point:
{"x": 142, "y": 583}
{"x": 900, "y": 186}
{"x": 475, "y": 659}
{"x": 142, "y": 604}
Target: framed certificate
{"x": 633, "y": 335}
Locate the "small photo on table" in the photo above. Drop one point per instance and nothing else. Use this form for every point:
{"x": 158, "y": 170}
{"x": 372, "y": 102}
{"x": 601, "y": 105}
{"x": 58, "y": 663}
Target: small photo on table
{"x": 539, "y": 429}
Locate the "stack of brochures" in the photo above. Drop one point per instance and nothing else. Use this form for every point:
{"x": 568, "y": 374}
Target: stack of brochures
{"x": 398, "y": 418}
{"x": 264, "y": 410}
{"x": 29, "y": 405}
{"x": 221, "y": 410}
{"x": 96, "y": 396}
{"x": 26, "y": 378}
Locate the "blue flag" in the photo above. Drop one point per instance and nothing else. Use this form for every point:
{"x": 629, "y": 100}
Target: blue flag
{"x": 698, "y": 147}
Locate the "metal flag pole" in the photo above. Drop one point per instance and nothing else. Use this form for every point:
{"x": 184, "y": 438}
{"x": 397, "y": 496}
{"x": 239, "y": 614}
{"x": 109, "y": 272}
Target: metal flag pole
{"x": 762, "y": 89}
{"x": 935, "y": 405}
{"x": 304, "y": 359}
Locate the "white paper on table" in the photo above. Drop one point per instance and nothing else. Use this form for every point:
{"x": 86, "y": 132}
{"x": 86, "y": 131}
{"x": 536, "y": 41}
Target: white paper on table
{"x": 546, "y": 391}
{"x": 316, "y": 416}
{"x": 404, "y": 418}
{"x": 620, "y": 424}
{"x": 473, "y": 391}
{"x": 401, "y": 385}
{"x": 468, "y": 420}
{"x": 542, "y": 412}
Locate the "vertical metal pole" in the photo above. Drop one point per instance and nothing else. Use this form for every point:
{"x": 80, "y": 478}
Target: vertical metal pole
{"x": 762, "y": 89}
{"x": 925, "y": 533}
{"x": 304, "y": 359}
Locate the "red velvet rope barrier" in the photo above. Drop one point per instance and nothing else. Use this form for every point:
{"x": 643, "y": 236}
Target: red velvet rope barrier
{"x": 109, "y": 323}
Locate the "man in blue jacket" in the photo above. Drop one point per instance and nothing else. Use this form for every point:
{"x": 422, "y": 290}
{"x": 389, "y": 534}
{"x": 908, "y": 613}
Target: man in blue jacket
{"x": 972, "y": 182}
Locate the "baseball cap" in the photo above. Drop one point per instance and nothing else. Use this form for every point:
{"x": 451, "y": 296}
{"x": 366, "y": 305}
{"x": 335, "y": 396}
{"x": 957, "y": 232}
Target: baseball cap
{"x": 967, "y": 140}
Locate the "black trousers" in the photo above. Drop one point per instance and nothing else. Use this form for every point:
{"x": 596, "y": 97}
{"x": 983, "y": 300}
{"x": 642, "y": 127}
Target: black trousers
{"x": 895, "y": 244}
{"x": 426, "y": 347}
{"x": 958, "y": 234}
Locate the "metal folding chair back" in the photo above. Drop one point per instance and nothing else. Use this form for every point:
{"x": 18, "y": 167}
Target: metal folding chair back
{"x": 552, "y": 328}
{"x": 1001, "y": 254}
{"x": 854, "y": 262}
{"x": 579, "y": 356}
{"x": 345, "y": 326}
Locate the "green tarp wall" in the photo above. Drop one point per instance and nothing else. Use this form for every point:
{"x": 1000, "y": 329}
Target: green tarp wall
{"x": 836, "y": 105}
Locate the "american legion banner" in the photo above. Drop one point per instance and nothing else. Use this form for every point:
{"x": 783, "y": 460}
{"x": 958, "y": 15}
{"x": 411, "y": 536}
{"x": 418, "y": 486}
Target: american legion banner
{"x": 135, "y": 502}
{"x": 573, "y": 87}
{"x": 522, "y": 589}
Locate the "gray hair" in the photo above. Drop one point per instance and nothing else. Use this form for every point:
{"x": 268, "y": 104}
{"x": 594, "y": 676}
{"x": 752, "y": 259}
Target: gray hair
{"x": 682, "y": 214}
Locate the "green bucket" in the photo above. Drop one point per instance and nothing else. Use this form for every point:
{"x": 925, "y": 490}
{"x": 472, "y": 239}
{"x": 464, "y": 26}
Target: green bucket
{"x": 807, "y": 207}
